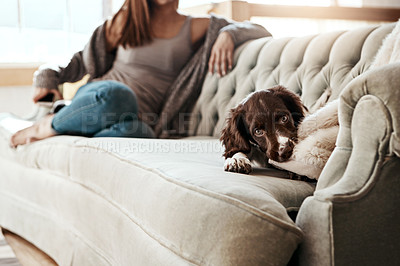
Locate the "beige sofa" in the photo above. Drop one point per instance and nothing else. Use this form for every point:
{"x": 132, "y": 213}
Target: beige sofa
{"x": 168, "y": 202}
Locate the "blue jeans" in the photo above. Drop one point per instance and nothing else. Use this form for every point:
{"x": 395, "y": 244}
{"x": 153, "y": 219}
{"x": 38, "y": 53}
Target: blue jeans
{"x": 102, "y": 109}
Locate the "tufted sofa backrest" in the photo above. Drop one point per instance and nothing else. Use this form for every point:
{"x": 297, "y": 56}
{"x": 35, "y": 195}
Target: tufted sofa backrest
{"x": 306, "y": 65}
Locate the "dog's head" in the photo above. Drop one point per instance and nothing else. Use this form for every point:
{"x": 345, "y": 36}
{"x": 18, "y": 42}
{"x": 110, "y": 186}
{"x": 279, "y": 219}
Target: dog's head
{"x": 267, "y": 119}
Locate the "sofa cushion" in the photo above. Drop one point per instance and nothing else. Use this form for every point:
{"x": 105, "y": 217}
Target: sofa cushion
{"x": 177, "y": 193}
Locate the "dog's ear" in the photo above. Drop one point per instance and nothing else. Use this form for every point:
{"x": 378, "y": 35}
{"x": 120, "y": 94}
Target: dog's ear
{"x": 293, "y": 103}
{"x": 235, "y": 133}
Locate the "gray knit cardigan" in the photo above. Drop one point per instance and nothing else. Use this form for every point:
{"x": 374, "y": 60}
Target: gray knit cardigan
{"x": 184, "y": 91}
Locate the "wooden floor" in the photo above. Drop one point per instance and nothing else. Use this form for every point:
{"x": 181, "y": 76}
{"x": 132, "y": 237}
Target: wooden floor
{"x": 27, "y": 254}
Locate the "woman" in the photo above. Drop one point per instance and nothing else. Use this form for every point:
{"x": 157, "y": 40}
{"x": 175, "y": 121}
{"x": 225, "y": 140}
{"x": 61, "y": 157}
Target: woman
{"x": 134, "y": 60}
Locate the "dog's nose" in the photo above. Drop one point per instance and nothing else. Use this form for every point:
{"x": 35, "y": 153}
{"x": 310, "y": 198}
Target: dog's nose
{"x": 285, "y": 151}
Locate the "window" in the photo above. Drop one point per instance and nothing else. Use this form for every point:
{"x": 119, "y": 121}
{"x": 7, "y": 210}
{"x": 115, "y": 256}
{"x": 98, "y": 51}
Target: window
{"x": 284, "y": 18}
{"x": 49, "y": 30}
{"x": 39, "y": 31}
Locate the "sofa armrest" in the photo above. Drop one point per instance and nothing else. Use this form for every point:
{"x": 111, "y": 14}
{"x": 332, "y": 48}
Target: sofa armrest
{"x": 369, "y": 114}
{"x": 352, "y": 217}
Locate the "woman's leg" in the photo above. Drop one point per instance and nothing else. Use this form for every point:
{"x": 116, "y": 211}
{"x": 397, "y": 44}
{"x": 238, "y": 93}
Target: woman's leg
{"x": 128, "y": 128}
{"x": 40, "y": 130}
{"x": 98, "y": 109}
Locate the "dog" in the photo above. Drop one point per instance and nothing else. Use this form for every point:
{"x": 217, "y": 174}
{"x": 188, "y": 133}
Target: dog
{"x": 262, "y": 127}
{"x": 316, "y": 139}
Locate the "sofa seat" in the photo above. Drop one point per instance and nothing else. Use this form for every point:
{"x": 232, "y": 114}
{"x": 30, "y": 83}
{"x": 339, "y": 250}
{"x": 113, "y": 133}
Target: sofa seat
{"x": 171, "y": 197}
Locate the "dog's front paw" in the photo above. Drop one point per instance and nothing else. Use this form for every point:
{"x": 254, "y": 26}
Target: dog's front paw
{"x": 238, "y": 164}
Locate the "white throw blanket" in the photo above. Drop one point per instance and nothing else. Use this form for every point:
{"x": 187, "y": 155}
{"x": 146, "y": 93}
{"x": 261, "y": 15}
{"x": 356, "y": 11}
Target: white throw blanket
{"x": 317, "y": 133}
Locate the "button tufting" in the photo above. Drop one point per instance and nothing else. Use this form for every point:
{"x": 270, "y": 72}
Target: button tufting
{"x": 216, "y": 117}
{"x": 215, "y": 91}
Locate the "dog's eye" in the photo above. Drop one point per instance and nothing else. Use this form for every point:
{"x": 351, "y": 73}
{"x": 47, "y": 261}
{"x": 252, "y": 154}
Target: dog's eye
{"x": 258, "y": 132}
{"x": 284, "y": 119}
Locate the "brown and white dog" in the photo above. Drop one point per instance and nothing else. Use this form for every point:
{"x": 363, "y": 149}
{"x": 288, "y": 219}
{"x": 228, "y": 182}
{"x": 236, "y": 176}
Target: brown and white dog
{"x": 262, "y": 127}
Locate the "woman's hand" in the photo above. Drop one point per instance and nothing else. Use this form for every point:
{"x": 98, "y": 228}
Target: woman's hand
{"x": 40, "y": 93}
{"x": 221, "y": 57}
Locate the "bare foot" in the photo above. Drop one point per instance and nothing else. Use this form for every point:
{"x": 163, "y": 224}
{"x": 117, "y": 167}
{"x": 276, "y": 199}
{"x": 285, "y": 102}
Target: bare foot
{"x": 40, "y": 130}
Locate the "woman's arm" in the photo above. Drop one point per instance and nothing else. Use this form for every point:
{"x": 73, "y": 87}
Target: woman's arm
{"x": 244, "y": 31}
{"x": 230, "y": 36}
{"x": 199, "y": 29}
{"x": 94, "y": 59}
{"x": 222, "y": 52}
{"x": 221, "y": 58}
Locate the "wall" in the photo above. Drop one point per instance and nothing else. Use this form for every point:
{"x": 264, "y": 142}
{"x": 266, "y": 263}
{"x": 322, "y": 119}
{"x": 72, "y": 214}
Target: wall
{"x": 17, "y": 100}
{"x": 381, "y": 3}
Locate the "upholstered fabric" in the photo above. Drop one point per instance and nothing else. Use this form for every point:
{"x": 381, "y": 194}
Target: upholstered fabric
{"x": 152, "y": 202}
{"x": 306, "y": 65}
{"x": 352, "y": 217}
